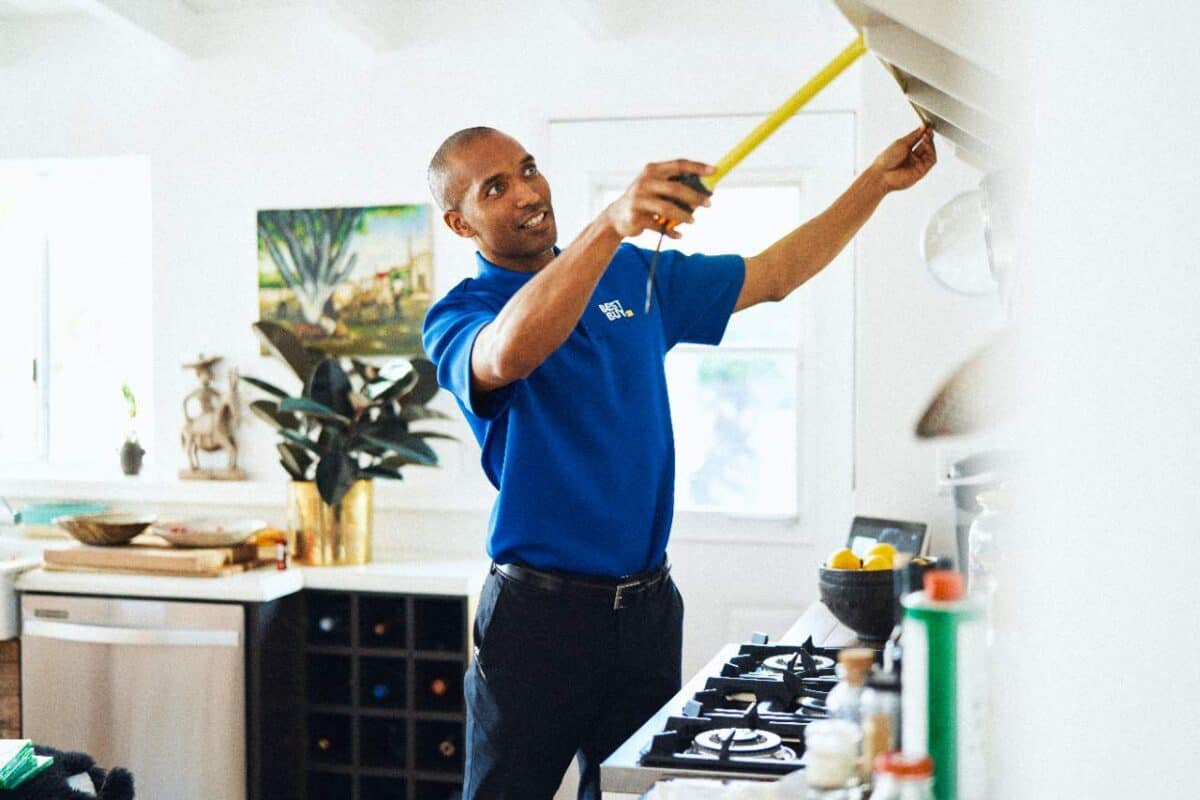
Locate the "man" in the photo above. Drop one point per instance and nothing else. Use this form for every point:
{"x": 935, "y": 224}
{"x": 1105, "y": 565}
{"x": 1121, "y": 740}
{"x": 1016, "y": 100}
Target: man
{"x": 559, "y": 373}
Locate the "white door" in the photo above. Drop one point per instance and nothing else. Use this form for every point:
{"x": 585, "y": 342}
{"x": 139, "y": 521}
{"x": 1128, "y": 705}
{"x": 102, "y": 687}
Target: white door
{"x": 763, "y": 424}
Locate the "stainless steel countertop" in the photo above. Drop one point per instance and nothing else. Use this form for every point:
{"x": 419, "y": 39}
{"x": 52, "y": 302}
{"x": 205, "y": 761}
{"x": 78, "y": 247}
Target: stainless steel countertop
{"x": 621, "y": 772}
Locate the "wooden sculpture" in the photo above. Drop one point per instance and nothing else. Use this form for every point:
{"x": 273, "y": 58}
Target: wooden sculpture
{"x": 210, "y": 419}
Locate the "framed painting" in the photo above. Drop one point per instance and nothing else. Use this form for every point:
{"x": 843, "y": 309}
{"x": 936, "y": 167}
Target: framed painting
{"x": 349, "y": 281}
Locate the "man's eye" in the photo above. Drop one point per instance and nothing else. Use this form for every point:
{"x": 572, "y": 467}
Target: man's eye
{"x": 530, "y": 170}
{"x": 494, "y": 190}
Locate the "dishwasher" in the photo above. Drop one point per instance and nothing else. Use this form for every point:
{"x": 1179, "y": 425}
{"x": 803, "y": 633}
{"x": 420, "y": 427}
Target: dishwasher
{"x": 153, "y": 686}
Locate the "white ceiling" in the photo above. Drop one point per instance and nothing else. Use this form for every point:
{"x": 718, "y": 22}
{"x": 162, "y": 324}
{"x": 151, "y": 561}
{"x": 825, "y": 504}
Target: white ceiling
{"x": 384, "y": 25}
{"x": 28, "y": 8}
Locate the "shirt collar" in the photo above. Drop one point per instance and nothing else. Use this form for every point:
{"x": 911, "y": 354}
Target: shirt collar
{"x": 494, "y": 273}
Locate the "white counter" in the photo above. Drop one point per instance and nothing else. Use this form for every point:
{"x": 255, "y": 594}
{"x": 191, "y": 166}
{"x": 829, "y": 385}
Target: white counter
{"x": 456, "y": 578}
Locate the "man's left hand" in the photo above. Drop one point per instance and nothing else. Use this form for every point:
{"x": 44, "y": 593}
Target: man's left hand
{"x": 907, "y": 159}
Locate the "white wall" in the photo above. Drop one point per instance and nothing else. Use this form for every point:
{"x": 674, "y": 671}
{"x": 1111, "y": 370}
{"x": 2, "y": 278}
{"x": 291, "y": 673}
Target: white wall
{"x": 290, "y": 112}
{"x": 1098, "y": 633}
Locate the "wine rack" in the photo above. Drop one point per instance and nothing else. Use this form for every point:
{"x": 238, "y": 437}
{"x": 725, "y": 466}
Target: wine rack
{"x": 383, "y": 681}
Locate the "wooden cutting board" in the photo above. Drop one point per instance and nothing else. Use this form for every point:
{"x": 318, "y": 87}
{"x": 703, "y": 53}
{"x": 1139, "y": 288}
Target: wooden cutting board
{"x": 153, "y": 554}
{"x": 227, "y": 569}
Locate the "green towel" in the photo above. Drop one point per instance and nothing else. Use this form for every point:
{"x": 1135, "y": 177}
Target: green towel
{"x": 16, "y": 759}
{"x": 40, "y": 763}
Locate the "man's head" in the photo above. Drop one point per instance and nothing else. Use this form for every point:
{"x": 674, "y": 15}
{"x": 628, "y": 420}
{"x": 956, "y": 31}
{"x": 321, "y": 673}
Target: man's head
{"x": 490, "y": 190}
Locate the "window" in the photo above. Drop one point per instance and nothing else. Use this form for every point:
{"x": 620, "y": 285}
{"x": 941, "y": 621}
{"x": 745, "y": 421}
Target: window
{"x": 763, "y": 423}
{"x": 736, "y": 435}
{"x": 76, "y": 241}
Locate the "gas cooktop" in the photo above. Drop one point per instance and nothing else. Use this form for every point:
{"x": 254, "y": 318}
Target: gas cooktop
{"x": 749, "y": 718}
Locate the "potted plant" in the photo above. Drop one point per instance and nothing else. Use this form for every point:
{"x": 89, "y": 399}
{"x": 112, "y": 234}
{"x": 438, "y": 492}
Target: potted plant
{"x": 131, "y": 450}
{"x": 349, "y": 425}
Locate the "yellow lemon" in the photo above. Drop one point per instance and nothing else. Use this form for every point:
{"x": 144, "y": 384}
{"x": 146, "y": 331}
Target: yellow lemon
{"x": 877, "y": 562}
{"x": 843, "y": 559}
{"x": 883, "y": 549}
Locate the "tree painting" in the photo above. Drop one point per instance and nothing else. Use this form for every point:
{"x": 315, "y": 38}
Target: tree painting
{"x": 347, "y": 280}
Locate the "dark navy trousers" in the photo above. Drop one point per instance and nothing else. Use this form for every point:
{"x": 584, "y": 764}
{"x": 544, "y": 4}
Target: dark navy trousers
{"x": 557, "y": 677}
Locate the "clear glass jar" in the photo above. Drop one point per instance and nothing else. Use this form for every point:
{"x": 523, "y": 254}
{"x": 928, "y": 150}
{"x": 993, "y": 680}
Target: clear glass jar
{"x": 902, "y": 777}
{"x": 831, "y": 760}
{"x": 982, "y": 546}
{"x": 844, "y": 700}
{"x": 880, "y": 704}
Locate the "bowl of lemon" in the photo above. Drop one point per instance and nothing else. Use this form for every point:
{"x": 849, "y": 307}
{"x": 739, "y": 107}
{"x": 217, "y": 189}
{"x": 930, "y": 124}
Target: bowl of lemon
{"x": 860, "y": 592}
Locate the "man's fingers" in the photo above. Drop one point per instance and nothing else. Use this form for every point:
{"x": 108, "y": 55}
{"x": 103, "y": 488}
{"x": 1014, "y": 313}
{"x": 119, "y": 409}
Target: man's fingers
{"x": 911, "y": 139}
{"x": 681, "y": 192}
{"x": 663, "y": 210}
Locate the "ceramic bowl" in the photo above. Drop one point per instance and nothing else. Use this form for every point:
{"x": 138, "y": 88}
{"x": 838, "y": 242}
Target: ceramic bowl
{"x": 207, "y": 531}
{"x": 863, "y": 601}
{"x": 105, "y": 529}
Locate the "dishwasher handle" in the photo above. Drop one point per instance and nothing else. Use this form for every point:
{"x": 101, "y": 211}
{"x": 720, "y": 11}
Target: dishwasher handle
{"x": 104, "y": 634}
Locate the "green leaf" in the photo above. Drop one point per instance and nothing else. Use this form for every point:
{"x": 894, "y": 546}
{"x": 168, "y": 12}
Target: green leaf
{"x": 330, "y": 386}
{"x": 427, "y": 386}
{"x": 295, "y": 460}
{"x": 391, "y": 428}
{"x": 380, "y": 391}
{"x": 335, "y": 474}
{"x": 266, "y": 387}
{"x": 380, "y": 471}
{"x": 286, "y": 346}
{"x": 300, "y": 439}
{"x": 311, "y": 408}
{"x": 268, "y": 412}
{"x": 411, "y": 413}
{"x": 409, "y": 446}
{"x": 434, "y": 435}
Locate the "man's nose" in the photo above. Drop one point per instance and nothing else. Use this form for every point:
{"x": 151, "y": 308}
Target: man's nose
{"x": 526, "y": 196}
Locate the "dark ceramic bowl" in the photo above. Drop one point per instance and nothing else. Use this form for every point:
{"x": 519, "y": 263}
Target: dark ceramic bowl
{"x": 865, "y": 602}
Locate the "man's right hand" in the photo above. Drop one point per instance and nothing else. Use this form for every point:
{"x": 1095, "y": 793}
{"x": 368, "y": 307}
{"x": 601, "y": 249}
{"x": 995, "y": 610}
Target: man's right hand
{"x": 646, "y": 204}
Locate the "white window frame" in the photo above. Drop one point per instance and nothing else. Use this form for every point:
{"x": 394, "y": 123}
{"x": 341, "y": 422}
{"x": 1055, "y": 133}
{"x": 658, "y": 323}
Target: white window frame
{"x": 825, "y": 362}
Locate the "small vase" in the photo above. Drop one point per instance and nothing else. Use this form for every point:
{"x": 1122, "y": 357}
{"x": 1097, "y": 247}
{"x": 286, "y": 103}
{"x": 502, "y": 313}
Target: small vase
{"x": 324, "y": 535}
{"x": 131, "y": 457}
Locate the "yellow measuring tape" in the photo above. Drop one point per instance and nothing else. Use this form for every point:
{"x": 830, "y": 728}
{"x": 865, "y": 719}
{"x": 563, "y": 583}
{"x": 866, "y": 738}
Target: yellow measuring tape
{"x": 757, "y": 136}
{"x": 786, "y": 111}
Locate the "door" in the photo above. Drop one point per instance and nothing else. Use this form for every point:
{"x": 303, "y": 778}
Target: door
{"x": 763, "y": 424}
{"x": 156, "y": 687}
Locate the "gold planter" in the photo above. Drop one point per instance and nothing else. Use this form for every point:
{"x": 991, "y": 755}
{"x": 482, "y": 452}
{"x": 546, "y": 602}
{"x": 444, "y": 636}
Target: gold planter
{"x": 324, "y": 535}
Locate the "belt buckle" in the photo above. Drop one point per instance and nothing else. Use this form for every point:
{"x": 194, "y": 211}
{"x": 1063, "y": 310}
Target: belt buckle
{"x": 621, "y": 587}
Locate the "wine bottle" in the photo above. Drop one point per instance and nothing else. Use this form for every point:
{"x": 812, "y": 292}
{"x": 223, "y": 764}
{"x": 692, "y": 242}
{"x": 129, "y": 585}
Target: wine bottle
{"x": 390, "y": 630}
{"x": 448, "y": 748}
{"x": 381, "y": 691}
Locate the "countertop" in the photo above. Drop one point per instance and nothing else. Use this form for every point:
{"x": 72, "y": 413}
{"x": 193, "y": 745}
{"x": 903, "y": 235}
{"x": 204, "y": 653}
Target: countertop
{"x": 621, "y": 772}
{"x": 261, "y": 585}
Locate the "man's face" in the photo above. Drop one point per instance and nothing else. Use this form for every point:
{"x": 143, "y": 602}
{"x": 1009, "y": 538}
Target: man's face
{"x": 504, "y": 202}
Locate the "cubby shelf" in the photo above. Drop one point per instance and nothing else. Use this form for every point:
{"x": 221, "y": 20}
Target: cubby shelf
{"x": 384, "y": 709}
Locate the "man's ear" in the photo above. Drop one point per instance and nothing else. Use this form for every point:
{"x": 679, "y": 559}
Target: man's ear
{"x": 456, "y": 222}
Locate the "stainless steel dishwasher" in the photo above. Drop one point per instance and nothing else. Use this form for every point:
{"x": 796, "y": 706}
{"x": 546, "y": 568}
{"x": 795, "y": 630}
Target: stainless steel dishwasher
{"x": 154, "y": 686}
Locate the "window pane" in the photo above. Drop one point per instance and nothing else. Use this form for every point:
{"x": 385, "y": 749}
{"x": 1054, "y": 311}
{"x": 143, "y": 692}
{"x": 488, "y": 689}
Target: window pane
{"x": 735, "y": 431}
{"x": 22, "y": 240}
{"x": 99, "y": 297}
{"x": 743, "y": 220}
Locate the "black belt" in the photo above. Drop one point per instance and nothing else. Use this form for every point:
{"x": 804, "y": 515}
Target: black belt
{"x": 624, "y": 592}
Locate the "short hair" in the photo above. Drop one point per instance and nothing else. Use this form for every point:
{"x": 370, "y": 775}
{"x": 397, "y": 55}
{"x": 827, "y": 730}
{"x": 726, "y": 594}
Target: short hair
{"x": 439, "y": 166}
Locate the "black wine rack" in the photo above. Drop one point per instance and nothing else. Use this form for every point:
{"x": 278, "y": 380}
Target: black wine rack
{"x": 384, "y": 714}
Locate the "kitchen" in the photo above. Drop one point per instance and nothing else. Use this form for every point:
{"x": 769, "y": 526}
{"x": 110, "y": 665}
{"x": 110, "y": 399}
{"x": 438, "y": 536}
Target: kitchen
{"x": 219, "y": 97}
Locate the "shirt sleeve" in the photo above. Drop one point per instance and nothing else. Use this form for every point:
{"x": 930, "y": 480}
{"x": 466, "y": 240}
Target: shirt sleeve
{"x": 696, "y": 295}
{"x": 451, "y": 327}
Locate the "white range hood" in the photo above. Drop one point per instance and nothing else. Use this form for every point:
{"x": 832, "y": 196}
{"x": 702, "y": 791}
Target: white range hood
{"x": 950, "y": 69}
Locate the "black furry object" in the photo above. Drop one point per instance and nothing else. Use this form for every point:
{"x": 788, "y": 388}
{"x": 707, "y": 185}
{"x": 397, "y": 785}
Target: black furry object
{"x": 115, "y": 784}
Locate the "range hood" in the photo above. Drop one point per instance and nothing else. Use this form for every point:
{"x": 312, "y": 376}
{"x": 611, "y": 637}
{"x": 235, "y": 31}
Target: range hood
{"x": 949, "y": 69}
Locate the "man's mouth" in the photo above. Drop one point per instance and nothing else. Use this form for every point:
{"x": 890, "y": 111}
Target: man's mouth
{"x": 536, "y": 220}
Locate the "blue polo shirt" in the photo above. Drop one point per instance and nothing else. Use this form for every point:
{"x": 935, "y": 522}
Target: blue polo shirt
{"x": 582, "y": 450}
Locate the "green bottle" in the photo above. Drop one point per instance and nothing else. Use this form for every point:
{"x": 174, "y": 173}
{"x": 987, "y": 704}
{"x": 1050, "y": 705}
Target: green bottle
{"x": 944, "y": 685}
